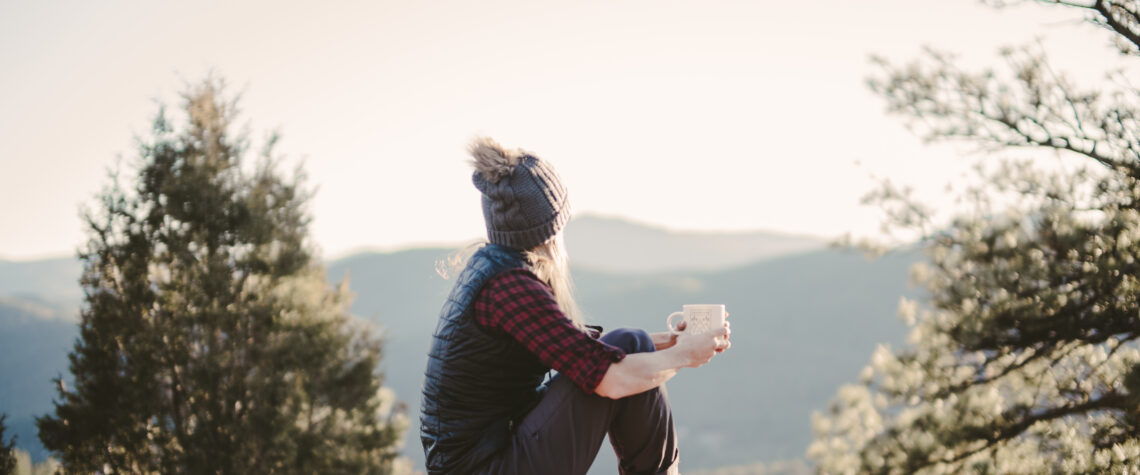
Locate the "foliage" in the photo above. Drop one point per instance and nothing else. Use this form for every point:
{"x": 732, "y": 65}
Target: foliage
{"x": 7, "y": 450}
{"x": 209, "y": 339}
{"x": 1024, "y": 358}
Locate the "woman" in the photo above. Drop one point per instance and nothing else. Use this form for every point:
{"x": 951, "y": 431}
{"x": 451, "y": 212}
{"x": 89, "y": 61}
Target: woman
{"x": 510, "y": 319}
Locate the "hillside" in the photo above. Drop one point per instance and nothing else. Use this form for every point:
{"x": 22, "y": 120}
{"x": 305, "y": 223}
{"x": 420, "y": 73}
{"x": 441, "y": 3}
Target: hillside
{"x": 34, "y": 341}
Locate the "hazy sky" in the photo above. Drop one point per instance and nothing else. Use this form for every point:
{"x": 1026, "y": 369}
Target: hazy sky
{"x": 703, "y": 115}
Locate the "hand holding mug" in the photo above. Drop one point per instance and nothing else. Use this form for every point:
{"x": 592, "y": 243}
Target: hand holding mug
{"x": 699, "y": 348}
{"x": 702, "y": 320}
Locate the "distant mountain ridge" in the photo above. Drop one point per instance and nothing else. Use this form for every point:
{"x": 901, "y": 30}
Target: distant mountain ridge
{"x": 606, "y": 244}
{"x": 52, "y": 282}
{"x": 804, "y": 322}
{"x": 619, "y": 245}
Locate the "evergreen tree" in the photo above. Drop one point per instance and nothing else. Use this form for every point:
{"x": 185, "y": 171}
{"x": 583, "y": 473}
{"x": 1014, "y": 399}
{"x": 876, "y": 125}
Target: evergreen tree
{"x": 7, "y": 451}
{"x": 1024, "y": 358}
{"x": 210, "y": 341}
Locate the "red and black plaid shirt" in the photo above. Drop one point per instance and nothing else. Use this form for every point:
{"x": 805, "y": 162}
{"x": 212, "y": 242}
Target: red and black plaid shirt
{"x": 515, "y": 302}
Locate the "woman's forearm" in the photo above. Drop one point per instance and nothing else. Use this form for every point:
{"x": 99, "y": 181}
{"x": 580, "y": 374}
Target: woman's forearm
{"x": 639, "y": 372}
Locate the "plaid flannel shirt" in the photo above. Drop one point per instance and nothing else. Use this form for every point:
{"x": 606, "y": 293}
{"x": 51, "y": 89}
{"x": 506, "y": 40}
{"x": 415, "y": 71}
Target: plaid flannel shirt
{"x": 516, "y": 303}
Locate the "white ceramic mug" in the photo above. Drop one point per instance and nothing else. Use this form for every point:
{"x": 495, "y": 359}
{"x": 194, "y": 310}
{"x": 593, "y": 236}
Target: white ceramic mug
{"x": 698, "y": 318}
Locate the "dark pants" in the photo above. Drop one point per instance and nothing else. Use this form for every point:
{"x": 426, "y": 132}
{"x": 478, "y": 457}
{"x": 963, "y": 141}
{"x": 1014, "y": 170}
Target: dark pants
{"x": 564, "y": 432}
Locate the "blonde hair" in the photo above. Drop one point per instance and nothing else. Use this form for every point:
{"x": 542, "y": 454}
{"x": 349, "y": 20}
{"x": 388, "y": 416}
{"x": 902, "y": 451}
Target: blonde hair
{"x": 551, "y": 264}
{"x": 548, "y": 261}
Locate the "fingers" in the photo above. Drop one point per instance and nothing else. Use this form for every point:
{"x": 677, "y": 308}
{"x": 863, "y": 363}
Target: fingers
{"x": 702, "y": 348}
{"x": 726, "y": 332}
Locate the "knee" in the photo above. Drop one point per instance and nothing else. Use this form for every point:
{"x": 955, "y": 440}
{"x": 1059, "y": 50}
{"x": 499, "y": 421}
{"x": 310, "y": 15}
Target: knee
{"x": 631, "y": 340}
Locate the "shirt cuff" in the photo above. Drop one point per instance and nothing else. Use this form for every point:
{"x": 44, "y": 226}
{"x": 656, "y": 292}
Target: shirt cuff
{"x": 608, "y": 355}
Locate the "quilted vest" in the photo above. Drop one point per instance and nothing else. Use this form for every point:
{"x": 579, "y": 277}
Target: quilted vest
{"x": 478, "y": 383}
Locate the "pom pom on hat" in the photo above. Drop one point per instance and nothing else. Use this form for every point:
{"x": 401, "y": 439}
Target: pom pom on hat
{"x": 491, "y": 160}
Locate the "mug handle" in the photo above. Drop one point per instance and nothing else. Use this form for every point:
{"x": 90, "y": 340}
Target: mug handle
{"x": 669, "y": 322}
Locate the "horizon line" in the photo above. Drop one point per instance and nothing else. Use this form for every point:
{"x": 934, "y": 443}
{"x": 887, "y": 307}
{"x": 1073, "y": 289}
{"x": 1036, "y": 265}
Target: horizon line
{"x": 457, "y": 243}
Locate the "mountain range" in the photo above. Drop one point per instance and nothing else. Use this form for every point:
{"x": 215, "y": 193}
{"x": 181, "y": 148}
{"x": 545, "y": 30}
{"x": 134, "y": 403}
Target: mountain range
{"x": 620, "y": 246}
{"x": 805, "y": 319}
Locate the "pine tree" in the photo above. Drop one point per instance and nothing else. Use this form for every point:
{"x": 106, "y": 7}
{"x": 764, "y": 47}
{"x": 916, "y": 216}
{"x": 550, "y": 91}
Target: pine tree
{"x": 210, "y": 341}
{"x": 7, "y": 451}
{"x": 1024, "y": 356}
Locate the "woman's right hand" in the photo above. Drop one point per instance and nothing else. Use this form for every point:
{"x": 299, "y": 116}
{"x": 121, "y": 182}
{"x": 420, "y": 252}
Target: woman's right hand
{"x": 698, "y": 349}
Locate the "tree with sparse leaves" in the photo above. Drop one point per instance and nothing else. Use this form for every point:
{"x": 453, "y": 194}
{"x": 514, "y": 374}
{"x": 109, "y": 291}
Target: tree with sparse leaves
{"x": 210, "y": 341}
{"x": 1023, "y": 358}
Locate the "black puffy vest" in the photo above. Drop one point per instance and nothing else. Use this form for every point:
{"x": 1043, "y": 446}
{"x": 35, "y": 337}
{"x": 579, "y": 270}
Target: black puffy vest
{"x": 478, "y": 383}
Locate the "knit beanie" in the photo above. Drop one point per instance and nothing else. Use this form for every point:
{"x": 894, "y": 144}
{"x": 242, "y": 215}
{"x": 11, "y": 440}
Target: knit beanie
{"x": 524, "y": 203}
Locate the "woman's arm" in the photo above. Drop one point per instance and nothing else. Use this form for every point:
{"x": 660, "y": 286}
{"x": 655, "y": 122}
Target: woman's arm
{"x": 640, "y": 372}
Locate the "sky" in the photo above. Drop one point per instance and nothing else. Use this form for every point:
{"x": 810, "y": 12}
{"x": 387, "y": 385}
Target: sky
{"x": 709, "y": 116}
